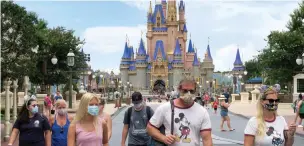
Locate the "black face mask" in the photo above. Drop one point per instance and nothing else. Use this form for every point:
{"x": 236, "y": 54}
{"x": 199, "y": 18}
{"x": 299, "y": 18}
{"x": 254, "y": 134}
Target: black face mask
{"x": 271, "y": 106}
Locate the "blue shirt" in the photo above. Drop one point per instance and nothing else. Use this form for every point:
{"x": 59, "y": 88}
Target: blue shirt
{"x": 60, "y": 134}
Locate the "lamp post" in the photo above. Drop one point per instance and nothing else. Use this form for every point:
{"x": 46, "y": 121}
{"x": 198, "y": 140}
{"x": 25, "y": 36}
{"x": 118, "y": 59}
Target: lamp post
{"x": 102, "y": 83}
{"x": 300, "y": 61}
{"x": 213, "y": 86}
{"x": 208, "y": 86}
{"x": 70, "y": 60}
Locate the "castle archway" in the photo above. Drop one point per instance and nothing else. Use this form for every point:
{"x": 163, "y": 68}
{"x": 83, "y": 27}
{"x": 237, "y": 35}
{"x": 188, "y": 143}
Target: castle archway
{"x": 159, "y": 87}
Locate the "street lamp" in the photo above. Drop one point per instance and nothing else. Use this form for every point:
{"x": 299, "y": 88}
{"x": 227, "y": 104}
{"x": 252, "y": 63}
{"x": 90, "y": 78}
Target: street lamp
{"x": 70, "y": 60}
{"x": 54, "y": 60}
{"x": 300, "y": 61}
{"x": 245, "y": 72}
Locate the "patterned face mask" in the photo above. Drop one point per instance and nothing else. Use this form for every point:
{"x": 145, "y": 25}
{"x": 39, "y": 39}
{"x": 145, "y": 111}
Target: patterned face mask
{"x": 271, "y": 106}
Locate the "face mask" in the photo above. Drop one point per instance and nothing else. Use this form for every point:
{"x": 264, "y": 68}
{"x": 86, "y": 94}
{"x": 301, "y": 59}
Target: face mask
{"x": 271, "y": 106}
{"x": 187, "y": 97}
{"x": 61, "y": 112}
{"x": 137, "y": 106}
{"x": 93, "y": 110}
{"x": 34, "y": 110}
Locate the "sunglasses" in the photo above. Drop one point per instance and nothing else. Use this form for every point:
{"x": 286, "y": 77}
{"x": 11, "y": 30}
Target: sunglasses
{"x": 186, "y": 91}
{"x": 273, "y": 100}
{"x": 34, "y": 105}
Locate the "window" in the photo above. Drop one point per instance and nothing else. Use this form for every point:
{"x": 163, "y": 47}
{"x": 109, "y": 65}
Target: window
{"x": 158, "y": 22}
{"x": 300, "y": 85}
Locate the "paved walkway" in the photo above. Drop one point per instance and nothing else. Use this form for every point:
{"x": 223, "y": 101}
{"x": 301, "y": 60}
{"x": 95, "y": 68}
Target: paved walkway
{"x": 248, "y": 110}
{"x": 109, "y": 108}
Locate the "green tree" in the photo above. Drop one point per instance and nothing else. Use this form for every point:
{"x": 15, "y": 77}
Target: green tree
{"x": 253, "y": 68}
{"x": 278, "y": 59}
{"x": 18, "y": 40}
{"x": 57, "y": 42}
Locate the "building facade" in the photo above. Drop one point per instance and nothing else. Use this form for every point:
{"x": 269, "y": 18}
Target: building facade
{"x": 166, "y": 59}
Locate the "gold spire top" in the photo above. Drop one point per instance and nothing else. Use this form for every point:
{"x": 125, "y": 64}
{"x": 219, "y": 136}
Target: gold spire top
{"x": 150, "y": 8}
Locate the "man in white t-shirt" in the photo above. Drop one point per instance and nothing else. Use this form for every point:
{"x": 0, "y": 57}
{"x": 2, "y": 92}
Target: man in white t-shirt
{"x": 191, "y": 120}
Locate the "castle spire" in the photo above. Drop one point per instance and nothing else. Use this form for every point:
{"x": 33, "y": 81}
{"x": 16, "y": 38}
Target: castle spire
{"x": 190, "y": 47}
{"x": 195, "y": 60}
{"x": 238, "y": 60}
{"x": 177, "y": 51}
{"x": 141, "y": 49}
{"x": 150, "y": 8}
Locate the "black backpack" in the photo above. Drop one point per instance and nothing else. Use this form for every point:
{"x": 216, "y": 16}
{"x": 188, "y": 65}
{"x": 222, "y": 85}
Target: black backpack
{"x": 162, "y": 128}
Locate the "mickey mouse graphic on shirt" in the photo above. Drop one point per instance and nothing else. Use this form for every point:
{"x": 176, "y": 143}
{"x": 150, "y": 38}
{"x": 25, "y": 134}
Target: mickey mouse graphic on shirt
{"x": 36, "y": 123}
{"x": 183, "y": 128}
{"x": 276, "y": 137}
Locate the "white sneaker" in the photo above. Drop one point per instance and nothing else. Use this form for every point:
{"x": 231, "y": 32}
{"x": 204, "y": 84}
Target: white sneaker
{"x": 300, "y": 126}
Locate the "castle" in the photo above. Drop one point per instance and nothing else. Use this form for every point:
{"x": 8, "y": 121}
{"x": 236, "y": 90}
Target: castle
{"x": 166, "y": 60}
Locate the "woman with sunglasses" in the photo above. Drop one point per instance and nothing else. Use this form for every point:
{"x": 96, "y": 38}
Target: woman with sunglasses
{"x": 267, "y": 128}
{"x": 60, "y": 124}
{"x": 33, "y": 128}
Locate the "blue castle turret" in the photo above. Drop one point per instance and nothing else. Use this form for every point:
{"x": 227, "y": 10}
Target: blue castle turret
{"x": 238, "y": 64}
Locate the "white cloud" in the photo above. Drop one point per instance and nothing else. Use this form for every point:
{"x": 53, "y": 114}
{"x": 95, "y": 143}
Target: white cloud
{"x": 228, "y": 24}
{"x": 111, "y": 39}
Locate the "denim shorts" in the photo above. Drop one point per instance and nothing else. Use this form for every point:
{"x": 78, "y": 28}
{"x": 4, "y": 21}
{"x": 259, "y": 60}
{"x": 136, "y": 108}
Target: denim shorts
{"x": 224, "y": 113}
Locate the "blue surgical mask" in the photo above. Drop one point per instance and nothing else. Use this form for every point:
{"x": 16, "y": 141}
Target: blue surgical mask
{"x": 93, "y": 110}
{"x": 34, "y": 110}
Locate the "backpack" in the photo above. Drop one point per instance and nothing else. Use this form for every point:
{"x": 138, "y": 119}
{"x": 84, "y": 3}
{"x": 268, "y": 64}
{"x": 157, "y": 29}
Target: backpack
{"x": 162, "y": 128}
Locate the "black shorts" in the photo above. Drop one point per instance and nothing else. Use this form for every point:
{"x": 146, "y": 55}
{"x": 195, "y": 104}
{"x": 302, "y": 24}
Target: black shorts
{"x": 301, "y": 116}
{"x": 215, "y": 108}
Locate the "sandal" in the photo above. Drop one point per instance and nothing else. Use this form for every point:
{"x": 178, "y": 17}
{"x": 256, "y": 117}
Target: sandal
{"x": 223, "y": 130}
{"x": 231, "y": 129}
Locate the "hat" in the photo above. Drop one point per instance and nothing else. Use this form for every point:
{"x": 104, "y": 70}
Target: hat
{"x": 136, "y": 98}
{"x": 221, "y": 98}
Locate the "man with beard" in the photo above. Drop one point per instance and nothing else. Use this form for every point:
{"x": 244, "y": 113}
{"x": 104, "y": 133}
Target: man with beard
{"x": 191, "y": 120}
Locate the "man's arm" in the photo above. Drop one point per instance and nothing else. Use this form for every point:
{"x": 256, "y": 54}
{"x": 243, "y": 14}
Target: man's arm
{"x": 124, "y": 134}
{"x": 206, "y": 137}
{"x": 125, "y": 129}
{"x": 289, "y": 137}
{"x": 205, "y": 131}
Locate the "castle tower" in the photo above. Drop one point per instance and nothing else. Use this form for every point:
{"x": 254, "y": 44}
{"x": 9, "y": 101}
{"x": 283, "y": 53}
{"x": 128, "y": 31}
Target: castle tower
{"x": 181, "y": 10}
{"x": 177, "y": 64}
{"x": 125, "y": 64}
{"x": 238, "y": 69}
{"x": 141, "y": 66}
{"x": 196, "y": 65}
{"x": 189, "y": 56}
{"x": 164, "y": 5}
{"x": 207, "y": 68}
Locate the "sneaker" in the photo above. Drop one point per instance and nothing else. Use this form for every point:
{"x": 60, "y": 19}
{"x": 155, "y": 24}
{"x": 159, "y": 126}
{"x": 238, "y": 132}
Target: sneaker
{"x": 300, "y": 126}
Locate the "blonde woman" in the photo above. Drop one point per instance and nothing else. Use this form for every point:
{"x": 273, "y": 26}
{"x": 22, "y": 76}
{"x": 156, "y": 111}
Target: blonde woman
{"x": 88, "y": 129}
{"x": 60, "y": 124}
{"x": 267, "y": 128}
{"x": 106, "y": 117}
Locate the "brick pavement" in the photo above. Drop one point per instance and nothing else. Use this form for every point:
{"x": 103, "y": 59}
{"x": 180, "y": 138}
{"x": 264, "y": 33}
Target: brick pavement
{"x": 109, "y": 108}
{"x": 248, "y": 110}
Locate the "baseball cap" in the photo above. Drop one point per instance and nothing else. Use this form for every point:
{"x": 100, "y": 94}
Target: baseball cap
{"x": 136, "y": 98}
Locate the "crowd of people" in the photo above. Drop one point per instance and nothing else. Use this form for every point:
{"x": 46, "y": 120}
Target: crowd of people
{"x": 180, "y": 122}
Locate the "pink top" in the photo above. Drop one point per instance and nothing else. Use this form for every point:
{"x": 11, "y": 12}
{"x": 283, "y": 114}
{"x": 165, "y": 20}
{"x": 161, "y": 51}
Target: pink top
{"x": 84, "y": 138}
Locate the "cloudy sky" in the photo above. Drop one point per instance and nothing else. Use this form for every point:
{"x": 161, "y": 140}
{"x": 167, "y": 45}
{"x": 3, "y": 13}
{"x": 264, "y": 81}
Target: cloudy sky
{"x": 229, "y": 24}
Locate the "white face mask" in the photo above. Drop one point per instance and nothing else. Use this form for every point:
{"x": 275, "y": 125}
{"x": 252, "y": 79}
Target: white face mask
{"x": 187, "y": 97}
{"x": 137, "y": 106}
{"x": 62, "y": 111}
